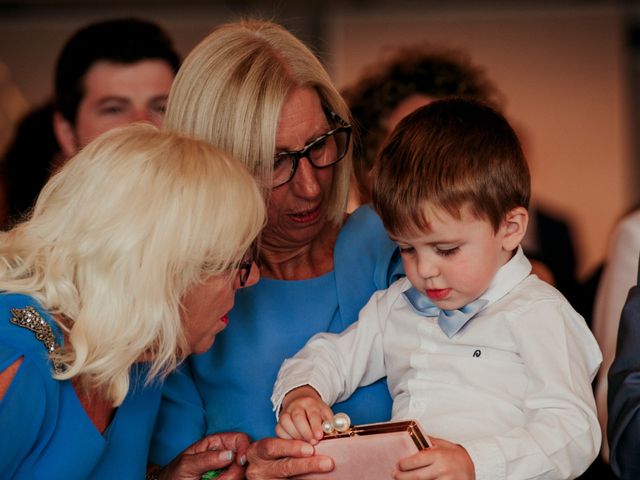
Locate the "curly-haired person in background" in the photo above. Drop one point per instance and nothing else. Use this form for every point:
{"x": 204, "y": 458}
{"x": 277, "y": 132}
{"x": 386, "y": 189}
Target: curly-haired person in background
{"x": 415, "y": 75}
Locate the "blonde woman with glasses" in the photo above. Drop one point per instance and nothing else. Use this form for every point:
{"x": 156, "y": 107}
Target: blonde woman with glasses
{"x": 128, "y": 264}
{"x": 257, "y": 92}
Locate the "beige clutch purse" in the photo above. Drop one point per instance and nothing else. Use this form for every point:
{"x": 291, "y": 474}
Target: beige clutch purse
{"x": 370, "y": 451}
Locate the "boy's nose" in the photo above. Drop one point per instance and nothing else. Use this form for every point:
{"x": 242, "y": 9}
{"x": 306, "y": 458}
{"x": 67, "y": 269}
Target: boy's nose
{"x": 427, "y": 268}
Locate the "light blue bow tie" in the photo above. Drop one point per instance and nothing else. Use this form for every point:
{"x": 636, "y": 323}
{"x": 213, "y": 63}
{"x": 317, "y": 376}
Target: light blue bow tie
{"x": 450, "y": 321}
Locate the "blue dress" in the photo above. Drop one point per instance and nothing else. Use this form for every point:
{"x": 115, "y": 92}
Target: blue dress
{"x": 228, "y": 388}
{"x": 45, "y": 432}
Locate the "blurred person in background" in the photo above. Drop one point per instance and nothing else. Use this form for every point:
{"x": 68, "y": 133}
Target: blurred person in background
{"x": 412, "y": 76}
{"x": 109, "y": 74}
{"x": 28, "y": 164}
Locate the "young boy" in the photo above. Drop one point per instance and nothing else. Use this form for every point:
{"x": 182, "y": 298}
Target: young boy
{"x": 479, "y": 351}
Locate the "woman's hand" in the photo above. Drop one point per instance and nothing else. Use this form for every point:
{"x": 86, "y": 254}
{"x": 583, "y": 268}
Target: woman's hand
{"x": 272, "y": 458}
{"x": 443, "y": 461}
{"x": 302, "y": 414}
{"x": 219, "y": 451}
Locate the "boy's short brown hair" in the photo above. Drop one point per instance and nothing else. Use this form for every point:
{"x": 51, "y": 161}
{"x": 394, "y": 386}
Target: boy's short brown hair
{"x": 450, "y": 153}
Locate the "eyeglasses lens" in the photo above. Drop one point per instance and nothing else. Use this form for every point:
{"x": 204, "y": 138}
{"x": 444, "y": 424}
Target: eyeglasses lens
{"x": 322, "y": 152}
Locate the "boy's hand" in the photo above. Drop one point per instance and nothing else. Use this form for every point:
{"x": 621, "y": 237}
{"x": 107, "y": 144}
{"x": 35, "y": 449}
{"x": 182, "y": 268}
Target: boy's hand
{"x": 443, "y": 461}
{"x": 302, "y": 414}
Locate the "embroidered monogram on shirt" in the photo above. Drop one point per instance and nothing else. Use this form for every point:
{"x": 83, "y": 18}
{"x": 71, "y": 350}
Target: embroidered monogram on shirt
{"x": 30, "y": 319}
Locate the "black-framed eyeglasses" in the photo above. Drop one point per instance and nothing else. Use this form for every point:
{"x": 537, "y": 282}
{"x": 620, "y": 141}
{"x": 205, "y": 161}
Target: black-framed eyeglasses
{"x": 244, "y": 267}
{"x": 324, "y": 151}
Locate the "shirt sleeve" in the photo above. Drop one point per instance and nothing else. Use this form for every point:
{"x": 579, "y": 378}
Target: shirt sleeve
{"x": 624, "y": 394}
{"x": 335, "y": 365}
{"x": 181, "y": 420}
{"x": 561, "y": 436}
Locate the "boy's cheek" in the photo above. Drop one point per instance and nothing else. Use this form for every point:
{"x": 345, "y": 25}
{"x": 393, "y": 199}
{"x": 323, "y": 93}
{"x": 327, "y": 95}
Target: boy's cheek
{"x": 407, "y": 264}
{"x": 411, "y": 270}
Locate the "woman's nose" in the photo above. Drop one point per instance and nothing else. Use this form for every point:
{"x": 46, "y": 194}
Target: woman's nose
{"x": 305, "y": 179}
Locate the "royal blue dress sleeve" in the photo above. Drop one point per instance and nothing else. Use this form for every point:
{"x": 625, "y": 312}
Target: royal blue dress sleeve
{"x": 365, "y": 261}
{"x": 181, "y": 420}
{"x": 22, "y": 412}
{"x": 44, "y": 430}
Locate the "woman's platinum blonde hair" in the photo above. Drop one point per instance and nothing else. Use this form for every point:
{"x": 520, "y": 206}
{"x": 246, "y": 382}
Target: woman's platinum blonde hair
{"x": 116, "y": 239}
{"x": 232, "y": 86}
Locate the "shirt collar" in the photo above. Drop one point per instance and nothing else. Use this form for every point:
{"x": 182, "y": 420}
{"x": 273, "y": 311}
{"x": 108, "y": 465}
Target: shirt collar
{"x": 506, "y": 278}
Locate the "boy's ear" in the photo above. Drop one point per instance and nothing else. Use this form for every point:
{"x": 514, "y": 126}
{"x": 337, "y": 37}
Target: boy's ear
{"x": 515, "y": 226}
{"x": 65, "y": 134}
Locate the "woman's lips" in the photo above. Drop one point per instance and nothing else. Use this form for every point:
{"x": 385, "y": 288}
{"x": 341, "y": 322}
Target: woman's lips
{"x": 438, "y": 294}
{"x": 306, "y": 216}
{"x": 225, "y": 319}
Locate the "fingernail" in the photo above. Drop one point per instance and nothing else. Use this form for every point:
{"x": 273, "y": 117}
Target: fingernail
{"x": 307, "y": 450}
{"x": 326, "y": 465}
{"x": 226, "y": 456}
{"x": 243, "y": 460}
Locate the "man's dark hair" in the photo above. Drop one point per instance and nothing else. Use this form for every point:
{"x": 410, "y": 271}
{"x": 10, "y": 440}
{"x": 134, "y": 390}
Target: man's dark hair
{"x": 127, "y": 40}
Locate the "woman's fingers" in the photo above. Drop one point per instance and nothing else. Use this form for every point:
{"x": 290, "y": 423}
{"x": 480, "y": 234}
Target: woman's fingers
{"x": 273, "y": 458}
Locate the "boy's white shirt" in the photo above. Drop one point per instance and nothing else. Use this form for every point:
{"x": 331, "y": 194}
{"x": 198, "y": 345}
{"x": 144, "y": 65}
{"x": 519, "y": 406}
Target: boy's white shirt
{"x": 513, "y": 387}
